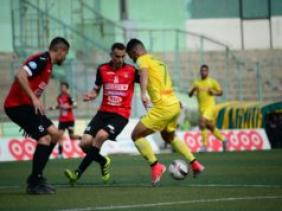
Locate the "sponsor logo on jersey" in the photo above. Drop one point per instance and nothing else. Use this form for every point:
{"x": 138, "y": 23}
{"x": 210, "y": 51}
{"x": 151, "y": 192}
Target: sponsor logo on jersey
{"x": 115, "y": 93}
{"x": 118, "y": 87}
{"x": 116, "y": 80}
{"x": 114, "y": 99}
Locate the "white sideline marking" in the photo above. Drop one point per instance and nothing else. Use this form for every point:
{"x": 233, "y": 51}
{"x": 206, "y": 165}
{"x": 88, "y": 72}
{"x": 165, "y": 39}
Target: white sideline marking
{"x": 173, "y": 203}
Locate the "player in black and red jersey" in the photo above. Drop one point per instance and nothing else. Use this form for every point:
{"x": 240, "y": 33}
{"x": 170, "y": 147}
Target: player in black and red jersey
{"x": 24, "y": 107}
{"x": 66, "y": 105}
{"x": 117, "y": 79}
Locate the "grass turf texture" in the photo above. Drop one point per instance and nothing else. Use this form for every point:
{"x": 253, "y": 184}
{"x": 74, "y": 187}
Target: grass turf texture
{"x": 232, "y": 180}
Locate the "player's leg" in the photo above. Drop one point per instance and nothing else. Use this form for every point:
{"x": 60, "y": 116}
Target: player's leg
{"x": 138, "y": 136}
{"x": 104, "y": 161}
{"x": 41, "y": 129}
{"x": 56, "y": 136}
{"x": 148, "y": 125}
{"x": 168, "y": 134}
{"x": 71, "y": 132}
{"x": 86, "y": 145}
{"x": 44, "y": 148}
{"x": 37, "y": 127}
{"x": 36, "y": 183}
{"x": 62, "y": 128}
{"x": 215, "y": 131}
{"x": 204, "y": 133}
{"x": 93, "y": 152}
{"x": 74, "y": 175}
{"x": 113, "y": 126}
{"x": 180, "y": 147}
{"x": 42, "y": 153}
{"x": 102, "y": 127}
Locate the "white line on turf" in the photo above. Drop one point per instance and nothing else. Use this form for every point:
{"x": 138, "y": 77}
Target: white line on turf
{"x": 131, "y": 206}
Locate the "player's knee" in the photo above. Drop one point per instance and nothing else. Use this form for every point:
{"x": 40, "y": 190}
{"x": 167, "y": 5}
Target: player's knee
{"x": 202, "y": 125}
{"x": 102, "y": 135}
{"x": 86, "y": 140}
{"x": 55, "y": 137}
{"x": 211, "y": 127}
{"x": 134, "y": 136}
{"x": 84, "y": 147}
{"x": 168, "y": 138}
{"x": 55, "y": 134}
{"x": 73, "y": 137}
{"x": 45, "y": 140}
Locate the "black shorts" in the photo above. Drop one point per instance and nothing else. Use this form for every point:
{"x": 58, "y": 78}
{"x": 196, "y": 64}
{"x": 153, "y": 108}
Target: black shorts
{"x": 34, "y": 125}
{"x": 110, "y": 122}
{"x": 67, "y": 126}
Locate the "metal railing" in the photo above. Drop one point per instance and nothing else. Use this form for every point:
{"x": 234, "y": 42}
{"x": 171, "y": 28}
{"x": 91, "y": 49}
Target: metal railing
{"x": 242, "y": 78}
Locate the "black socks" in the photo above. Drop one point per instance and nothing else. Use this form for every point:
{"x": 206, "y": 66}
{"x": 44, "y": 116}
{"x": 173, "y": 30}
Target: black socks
{"x": 92, "y": 154}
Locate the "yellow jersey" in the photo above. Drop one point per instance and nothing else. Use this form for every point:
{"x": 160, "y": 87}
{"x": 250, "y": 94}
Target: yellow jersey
{"x": 206, "y": 100}
{"x": 159, "y": 86}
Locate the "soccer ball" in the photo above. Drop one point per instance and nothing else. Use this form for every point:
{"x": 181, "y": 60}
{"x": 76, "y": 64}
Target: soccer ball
{"x": 178, "y": 169}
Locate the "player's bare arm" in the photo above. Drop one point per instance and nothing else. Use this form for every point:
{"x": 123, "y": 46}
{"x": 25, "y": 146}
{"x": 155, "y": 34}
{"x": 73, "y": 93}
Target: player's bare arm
{"x": 192, "y": 91}
{"x": 143, "y": 87}
{"x": 53, "y": 107}
{"x": 22, "y": 78}
{"x": 91, "y": 95}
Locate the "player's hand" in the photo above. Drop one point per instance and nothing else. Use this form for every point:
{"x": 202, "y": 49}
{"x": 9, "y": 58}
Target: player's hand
{"x": 211, "y": 92}
{"x": 146, "y": 101}
{"x": 51, "y": 108}
{"x": 89, "y": 96}
{"x": 181, "y": 105}
{"x": 38, "y": 106}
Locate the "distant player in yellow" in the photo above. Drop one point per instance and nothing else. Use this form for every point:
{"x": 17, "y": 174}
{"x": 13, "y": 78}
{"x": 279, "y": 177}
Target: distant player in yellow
{"x": 206, "y": 89}
{"x": 162, "y": 116}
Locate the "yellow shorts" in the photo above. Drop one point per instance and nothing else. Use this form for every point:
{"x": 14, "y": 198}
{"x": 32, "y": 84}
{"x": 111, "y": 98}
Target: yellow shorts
{"x": 161, "y": 118}
{"x": 207, "y": 113}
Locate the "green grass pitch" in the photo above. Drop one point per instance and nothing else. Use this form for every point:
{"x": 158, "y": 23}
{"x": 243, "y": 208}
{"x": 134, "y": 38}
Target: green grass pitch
{"x": 232, "y": 181}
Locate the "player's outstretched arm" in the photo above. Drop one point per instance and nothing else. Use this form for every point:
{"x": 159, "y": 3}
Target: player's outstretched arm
{"x": 22, "y": 77}
{"x": 53, "y": 107}
{"x": 74, "y": 105}
{"x": 92, "y": 95}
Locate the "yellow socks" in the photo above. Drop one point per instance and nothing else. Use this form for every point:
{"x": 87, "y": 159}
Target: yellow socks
{"x": 180, "y": 147}
{"x": 145, "y": 150}
{"x": 218, "y": 135}
{"x": 204, "y": 134}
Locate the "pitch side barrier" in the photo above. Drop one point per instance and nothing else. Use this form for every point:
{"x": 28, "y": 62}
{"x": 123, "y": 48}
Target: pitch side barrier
{"x": 20, "y": 148}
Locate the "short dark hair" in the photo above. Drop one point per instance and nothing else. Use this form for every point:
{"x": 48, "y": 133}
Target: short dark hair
{"x": 59, "y": 42}
{"x": 118, "y": 45}
{"x": 133, "y": 43}
{"x": 66, "y": 84}
{"x": 204, "y": 66}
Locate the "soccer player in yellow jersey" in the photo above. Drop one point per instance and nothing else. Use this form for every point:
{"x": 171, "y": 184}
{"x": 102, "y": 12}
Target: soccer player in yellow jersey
{"x": 206, "y": 89}
{"x": 162, "y": 116}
